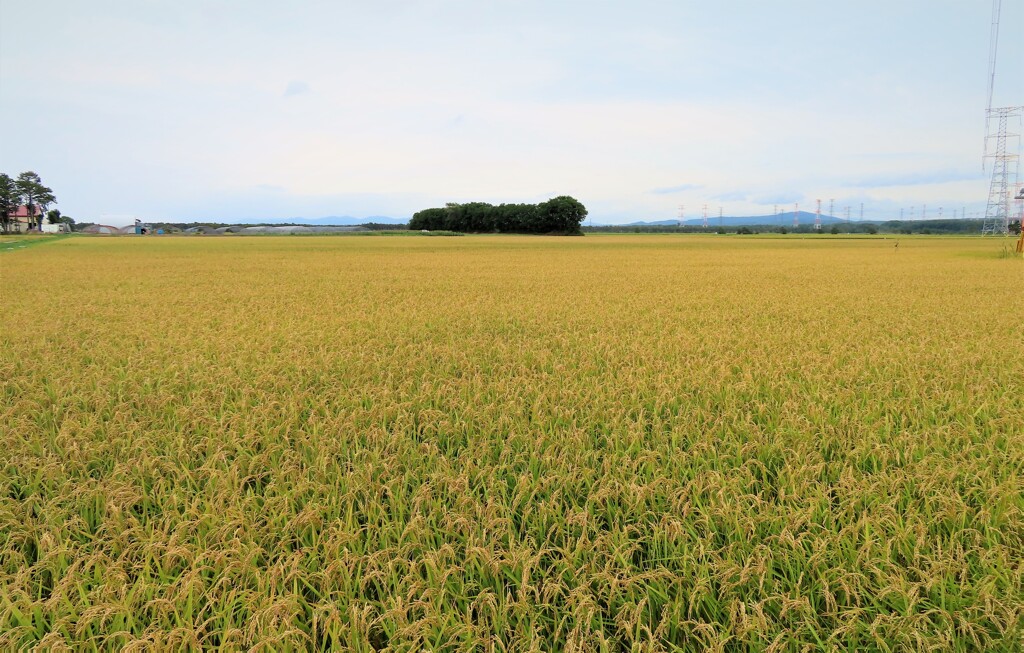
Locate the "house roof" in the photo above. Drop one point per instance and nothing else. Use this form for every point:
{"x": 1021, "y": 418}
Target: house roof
{"x": 22, "y": 212}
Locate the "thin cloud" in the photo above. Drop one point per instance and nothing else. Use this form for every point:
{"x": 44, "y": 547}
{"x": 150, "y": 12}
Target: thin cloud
{"x": 296, "y": 87}
{"x": 731, "y": 196}
{"x": 914, "y": 179}
{"x": 674, "y": 189}
{"x": 785, "y": 197}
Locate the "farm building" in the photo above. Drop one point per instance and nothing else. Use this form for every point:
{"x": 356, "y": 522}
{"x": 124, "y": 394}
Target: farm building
{"x": 140, "y": 228}
{"x": 101, "y": 229}
{"x": 21, "y": 220}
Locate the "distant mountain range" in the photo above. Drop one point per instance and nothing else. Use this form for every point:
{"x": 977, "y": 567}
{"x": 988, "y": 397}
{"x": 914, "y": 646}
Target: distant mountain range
{"x": 783, "y": 219}
{"x": 331, "y": 220}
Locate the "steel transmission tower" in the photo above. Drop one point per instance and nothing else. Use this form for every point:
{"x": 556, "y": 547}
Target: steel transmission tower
{"x": 1005, "y": 160}
{"x": 1005, "y": 170}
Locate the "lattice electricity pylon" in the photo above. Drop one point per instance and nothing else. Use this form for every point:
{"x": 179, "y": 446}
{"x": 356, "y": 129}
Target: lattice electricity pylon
{"x": 1004, "y": 171}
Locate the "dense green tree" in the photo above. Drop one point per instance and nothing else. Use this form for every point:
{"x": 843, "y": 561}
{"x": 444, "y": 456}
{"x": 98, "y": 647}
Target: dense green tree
{"x": 428, "y": 220}
{"x": 34, "y": 195}
{"x": 562, "y": 214}
{"x": 29, "y": 185}
{"x": 516, "y": 218}
{"x": 10, "y": 198}
{"x": 473, "y": 217}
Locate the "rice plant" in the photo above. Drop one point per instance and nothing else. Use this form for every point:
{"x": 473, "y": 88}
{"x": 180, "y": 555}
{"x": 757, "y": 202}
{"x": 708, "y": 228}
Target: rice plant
{"x": 644, "y": 443}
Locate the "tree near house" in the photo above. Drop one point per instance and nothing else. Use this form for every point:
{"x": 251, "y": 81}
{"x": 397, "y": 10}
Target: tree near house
{"x": 28, "y": 184}
{"x": 45, "y": 199}
{"x": 34, "y": 195}
{"x": 10, "y": 197}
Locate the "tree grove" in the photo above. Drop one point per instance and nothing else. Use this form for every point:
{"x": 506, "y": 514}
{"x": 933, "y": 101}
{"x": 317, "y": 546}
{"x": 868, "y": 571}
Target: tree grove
{"x": 559, "y": 215}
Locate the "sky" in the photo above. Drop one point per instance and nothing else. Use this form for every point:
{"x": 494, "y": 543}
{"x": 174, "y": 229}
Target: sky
{"x": 246, "y": 110}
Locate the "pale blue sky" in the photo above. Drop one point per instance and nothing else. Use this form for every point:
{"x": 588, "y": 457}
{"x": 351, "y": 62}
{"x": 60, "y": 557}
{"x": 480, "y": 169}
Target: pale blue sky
{"x": 232, "y": 110}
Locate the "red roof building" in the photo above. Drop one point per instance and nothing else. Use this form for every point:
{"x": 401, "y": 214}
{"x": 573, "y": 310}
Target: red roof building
{"x": 21, "y": 220}
{"x": 22, "y": 212}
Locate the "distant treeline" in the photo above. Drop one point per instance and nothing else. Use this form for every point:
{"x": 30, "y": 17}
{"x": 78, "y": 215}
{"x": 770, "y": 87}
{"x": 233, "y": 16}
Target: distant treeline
{"x": 560, "y": 215}
{"x": 951, "y": 226}
{"x": 174, "y": 227}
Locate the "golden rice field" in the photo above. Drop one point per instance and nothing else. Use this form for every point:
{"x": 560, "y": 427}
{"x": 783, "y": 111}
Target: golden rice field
{"x": 608, "y": 443}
